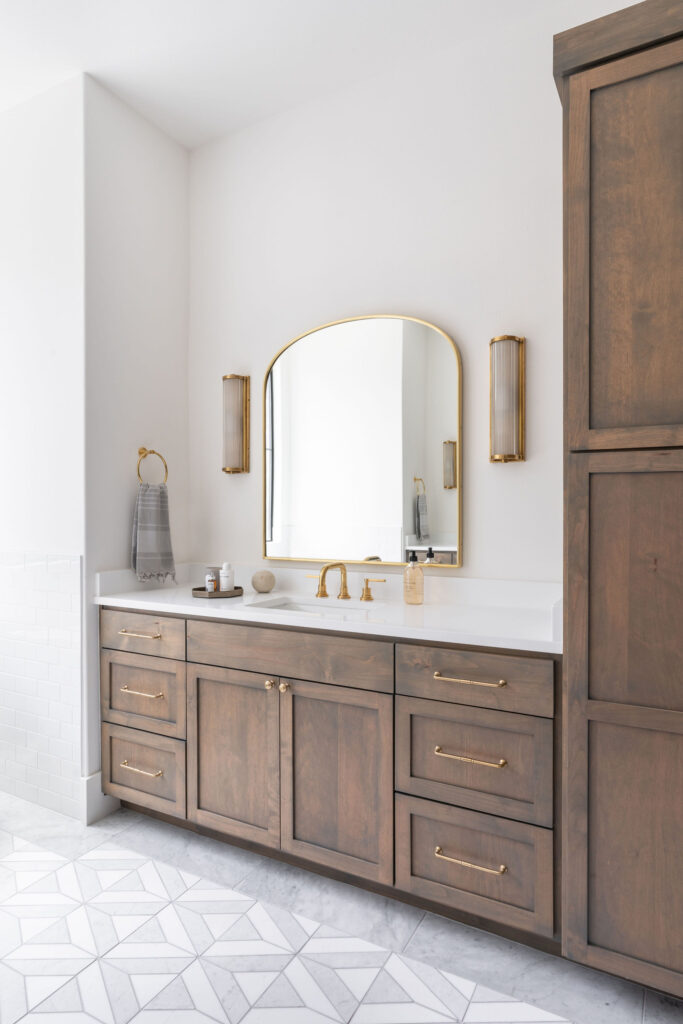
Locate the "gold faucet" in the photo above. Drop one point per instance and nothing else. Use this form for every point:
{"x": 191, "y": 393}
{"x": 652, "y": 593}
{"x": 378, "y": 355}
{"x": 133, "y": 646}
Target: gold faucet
{"x": 343, "y": 594}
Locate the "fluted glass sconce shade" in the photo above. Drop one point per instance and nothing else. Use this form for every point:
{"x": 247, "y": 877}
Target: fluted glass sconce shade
{"x": 235, "y": 423}
{"x": 450, "y": 464}
{"x": 507, "y": 399}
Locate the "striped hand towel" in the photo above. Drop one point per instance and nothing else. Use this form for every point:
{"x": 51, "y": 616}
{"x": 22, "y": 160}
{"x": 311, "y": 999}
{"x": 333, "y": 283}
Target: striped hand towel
{"x": 152, "y": 555}
{"x": 421, "y": 517}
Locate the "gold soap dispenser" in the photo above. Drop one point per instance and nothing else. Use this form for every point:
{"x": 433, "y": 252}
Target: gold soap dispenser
{"x": 413, "y": 581}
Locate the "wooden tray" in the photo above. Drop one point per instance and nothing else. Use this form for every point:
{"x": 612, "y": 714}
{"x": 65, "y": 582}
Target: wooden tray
{"x": 203, "y": 592}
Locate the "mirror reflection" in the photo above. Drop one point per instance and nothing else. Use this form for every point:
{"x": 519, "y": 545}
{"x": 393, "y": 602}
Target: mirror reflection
{"x": 363, "y": 444}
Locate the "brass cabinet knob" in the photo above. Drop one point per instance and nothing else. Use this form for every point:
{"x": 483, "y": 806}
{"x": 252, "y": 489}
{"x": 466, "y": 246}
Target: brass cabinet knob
{"x": 284, "y": 687}
{"x": 269, "y": 684}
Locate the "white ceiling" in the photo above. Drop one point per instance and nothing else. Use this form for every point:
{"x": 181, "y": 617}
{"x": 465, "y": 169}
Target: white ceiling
{"x": 201, "y": 68}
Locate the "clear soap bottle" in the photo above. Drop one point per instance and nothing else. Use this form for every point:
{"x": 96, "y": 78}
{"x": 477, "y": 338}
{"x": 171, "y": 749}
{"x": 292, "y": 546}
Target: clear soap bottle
{"x": 413, "y": 581}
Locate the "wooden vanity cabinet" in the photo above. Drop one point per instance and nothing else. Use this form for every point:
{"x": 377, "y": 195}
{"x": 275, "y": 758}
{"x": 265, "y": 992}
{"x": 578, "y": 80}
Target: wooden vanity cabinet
{"x": 302, "y": 766}
{"x": 621, "y": 83}
{"x": 337, "y": 769}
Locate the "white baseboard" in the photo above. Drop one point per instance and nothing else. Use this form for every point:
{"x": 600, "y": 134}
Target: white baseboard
{"x": 94, "y": 803}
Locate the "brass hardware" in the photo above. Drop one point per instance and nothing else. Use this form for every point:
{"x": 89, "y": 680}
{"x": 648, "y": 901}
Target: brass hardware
{"x": 418, "y": 480}
{"x": 140, "y": 636}
{"x": 470, "y": 760}
{"x": 141, "y": 771}
{"x": 520, "y": 402}
{"x": 348, "y": 320}
{"x": 367, "y": 593}
{"x": 450, "y": 465}
{"x": 244, "y": 398}
{"x": 343, "y": 594}
{"x": 469, "y": 682}
{"x": 269, "y": 684}
{"x": 140, "y": 693}
{"x": 438, "y": 852}
{"x": 143, "y": 453}
{"x": 283, "y": 687}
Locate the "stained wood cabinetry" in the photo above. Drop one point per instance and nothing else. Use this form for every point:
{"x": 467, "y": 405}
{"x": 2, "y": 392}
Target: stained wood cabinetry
{"x": 623, "y": 716}
{"x": 233, "y": 772}
{"x": 337, "y": 752}
{"x": 336, "y": 770}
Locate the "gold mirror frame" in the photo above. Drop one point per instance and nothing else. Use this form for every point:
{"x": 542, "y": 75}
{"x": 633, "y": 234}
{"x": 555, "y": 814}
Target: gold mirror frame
{"x": 351, "y": 561}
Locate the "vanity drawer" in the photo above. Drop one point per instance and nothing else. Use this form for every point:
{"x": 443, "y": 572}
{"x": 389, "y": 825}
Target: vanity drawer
{"x": 498, "y": 681}
{"x": 147, "y": 770}
{"x": 363, "y": 664}
{"x": 143, "y": 634}
{"x": 488, "y": 760}
{"x": 432, "y": 838}
{"x": 143, "y": 692}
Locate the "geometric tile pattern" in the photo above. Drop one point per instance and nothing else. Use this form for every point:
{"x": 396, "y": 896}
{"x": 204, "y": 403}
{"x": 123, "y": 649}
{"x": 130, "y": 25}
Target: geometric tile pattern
{"x": 117, "y": 937}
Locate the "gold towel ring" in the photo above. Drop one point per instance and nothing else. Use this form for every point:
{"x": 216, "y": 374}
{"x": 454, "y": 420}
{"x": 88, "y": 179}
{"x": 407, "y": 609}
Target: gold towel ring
{"x": 418, "y": 480}
{"x": 143, "y": 453}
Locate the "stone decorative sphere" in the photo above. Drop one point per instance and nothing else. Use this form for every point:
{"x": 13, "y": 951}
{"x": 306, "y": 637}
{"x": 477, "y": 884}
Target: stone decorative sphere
{"x": 263, "y": 581}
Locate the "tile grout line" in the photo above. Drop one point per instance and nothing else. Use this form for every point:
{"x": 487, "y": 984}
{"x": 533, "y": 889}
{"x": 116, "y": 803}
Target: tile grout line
{"x": 412, "y": 934}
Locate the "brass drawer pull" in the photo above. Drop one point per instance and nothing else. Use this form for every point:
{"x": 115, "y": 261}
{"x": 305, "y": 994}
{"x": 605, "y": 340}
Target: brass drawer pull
{"x": 141, "y": 771}
{"x": 269, "y": 684}
{"x": 470, "y": 760}
{"x": 140, "y": 693}
{"x": 470, "y": 682}
{"x": 284, "y": 687}
{"x": 140, "y": 636}
{"x": 438, "y": 852}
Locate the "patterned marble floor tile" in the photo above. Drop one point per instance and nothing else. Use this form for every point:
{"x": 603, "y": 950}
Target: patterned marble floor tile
{"x": 27, "y": 864}
{"x": 116, "y": 936}
{"x": 334, "y": 949}
{"x": 507, "y": 1012}
{"x": 279, "y": 1015}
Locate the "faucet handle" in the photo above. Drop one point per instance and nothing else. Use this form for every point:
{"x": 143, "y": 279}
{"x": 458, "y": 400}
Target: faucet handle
{"x": 367, "y": 593}
{"x": 322, "y": 589}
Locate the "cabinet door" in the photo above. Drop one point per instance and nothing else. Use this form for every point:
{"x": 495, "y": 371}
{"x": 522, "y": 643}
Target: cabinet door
{"x": 232, "y": 753}
{"x": 623, "y": 716}
{"x": 336, "y": 764}
{"x": 624, "y": 253}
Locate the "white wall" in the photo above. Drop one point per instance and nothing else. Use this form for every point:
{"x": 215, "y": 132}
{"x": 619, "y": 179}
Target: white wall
{"x": 434, "y": 191}
{"x": 136, "y": 273}
{"x": 41, "y": 446}
{"x": 41, "y": 323}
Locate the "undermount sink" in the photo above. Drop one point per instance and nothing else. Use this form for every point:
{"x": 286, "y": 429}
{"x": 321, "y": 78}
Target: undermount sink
{"x": 334, "y": 610}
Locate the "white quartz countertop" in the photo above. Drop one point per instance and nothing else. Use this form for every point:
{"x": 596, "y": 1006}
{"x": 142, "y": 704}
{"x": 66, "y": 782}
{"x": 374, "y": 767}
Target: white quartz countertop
{"x": 520, "y": 625}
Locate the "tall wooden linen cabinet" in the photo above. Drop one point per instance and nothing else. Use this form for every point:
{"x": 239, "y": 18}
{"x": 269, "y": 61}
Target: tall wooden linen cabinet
{"x": 621, "y": 83}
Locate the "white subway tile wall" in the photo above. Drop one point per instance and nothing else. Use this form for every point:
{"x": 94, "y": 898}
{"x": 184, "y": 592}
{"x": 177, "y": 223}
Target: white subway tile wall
{"x": 40, "y": 679}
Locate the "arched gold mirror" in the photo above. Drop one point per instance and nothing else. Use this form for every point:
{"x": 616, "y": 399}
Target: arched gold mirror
{"x": 363, "y": 444}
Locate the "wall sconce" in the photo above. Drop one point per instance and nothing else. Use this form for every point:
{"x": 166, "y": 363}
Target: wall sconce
{"x": 450, "y": 465}
{"x": 507, "y": 429}
{"x": 236, "y": 403}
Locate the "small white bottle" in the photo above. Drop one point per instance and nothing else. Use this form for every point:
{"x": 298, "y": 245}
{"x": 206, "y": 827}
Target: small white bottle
{"x": 227, "y": 577}
{"x": 211, "y": 581}
{"x": 429, "y": 557}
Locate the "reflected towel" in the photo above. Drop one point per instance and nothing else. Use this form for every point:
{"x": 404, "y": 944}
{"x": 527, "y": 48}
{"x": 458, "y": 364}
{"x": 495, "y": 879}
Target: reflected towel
{"x": 152, "y": 555}
{"x": 421, "y": 517}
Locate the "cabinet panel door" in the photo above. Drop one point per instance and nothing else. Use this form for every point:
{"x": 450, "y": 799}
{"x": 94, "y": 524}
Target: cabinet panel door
{"x": 625, "y": 252}
{"x": 623, "y": 718}
{"x": 232, "y": 753}
{"x": 336, "y": 764}
{"x": 635, "y": 839}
